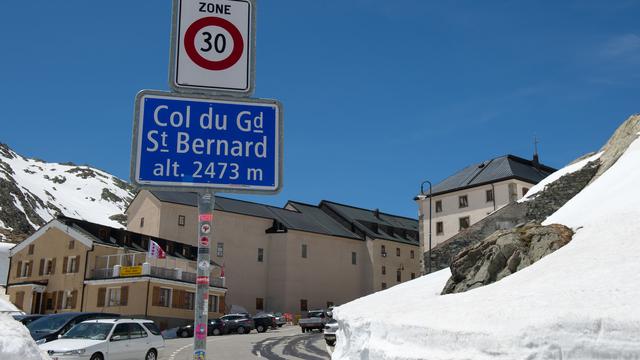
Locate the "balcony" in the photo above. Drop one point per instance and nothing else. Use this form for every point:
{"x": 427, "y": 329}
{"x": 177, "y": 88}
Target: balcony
{"x": 139, "y": 264}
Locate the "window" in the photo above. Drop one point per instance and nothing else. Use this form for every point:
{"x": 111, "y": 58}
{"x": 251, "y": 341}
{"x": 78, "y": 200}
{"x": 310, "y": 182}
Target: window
{"x": 412, "y": 254}
{"x": 260, "y": 255}
{"x": 181, "y": 220}
{"x": 525, "y": 191}
{"x": 141, "y": 222}
{"x": 259, "y": 304}
{"x": 303, "y": 305}
{"x": 220, "y": 250}
{"x": 439, "y": 206}
{"x": 304, "y": 251}
{"x": 49, "y": 302}
{"x": 463, "y": 201}
{"x": 384, "y": 270}
{"x": 136, "y": 331}
{"x": 121, "y": 330}
{"x": 490, "y": 195}
{"x": 152, "y": 327}
{"x": 399, "y": 276}
{"x": 413, "y": 276}
{"x": 354, "y": 258}
{"x": 384, "y": 286}
{"x": 24, "y": 269}
{"x": 113, "y": 296}
{"x": 213, "y": 303}
{"x": 68, "y": 302}
{"x": 188, "y": 300}
{"x": 383, "y": 251}
{"x": 72, "y": 244}
{"x": 439, "y": 228}
{"x": 464, "y": 223}
{"x": 513, "y": 192}
{"x": 164, "y": 297}
{"x": 70, "y": 265}
{"x": 50, "y": 267}
{"x": 31, "y": 248}
{"x": 397, "y": 251}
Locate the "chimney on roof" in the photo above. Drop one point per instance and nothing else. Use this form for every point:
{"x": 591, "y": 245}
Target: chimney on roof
{"x": 376, "y": 213}
{"x": 536, "y": 157}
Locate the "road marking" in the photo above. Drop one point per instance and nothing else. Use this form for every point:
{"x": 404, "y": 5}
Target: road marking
{"x": 173, "y": 356}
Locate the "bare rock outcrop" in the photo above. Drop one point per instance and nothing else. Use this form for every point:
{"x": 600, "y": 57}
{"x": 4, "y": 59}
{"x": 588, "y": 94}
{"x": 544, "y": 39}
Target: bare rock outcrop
{"x": 618, "y": 143}
{"x": 504, "y": 253}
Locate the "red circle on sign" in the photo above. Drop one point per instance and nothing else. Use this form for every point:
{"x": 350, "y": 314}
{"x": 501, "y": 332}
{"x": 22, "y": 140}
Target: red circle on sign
{"x": 190, "y": 44}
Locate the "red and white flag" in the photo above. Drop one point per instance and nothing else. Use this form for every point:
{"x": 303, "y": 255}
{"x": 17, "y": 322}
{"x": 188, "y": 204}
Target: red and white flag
{"x": 222, "y": 271}
{"x": 155, "y": 251}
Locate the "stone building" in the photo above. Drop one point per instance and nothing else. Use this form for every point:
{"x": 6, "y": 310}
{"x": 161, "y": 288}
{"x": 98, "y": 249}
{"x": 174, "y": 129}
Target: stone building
{"x": 72, "y": 265}
{"x": 474, "y": 192}
{"x": 291, "y": 259}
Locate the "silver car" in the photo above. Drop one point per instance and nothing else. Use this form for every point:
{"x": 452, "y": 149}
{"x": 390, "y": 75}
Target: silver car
{"x": 119, "y": 339}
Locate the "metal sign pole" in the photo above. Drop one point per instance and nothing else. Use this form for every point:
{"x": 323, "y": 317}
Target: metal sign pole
{"x": 206, "y": 204}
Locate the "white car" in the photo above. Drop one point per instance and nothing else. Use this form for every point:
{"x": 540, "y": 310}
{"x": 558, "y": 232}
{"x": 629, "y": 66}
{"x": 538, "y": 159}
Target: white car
{"x": 108, "y": 339}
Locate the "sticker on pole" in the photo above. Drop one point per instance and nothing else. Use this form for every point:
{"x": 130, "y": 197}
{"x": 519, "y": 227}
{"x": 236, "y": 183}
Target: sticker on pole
{"x": 187, "y": 143}
{"x": 212, "y": 46}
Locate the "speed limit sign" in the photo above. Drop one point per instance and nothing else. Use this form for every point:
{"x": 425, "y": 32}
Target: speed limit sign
{"x": 212, "y": 47}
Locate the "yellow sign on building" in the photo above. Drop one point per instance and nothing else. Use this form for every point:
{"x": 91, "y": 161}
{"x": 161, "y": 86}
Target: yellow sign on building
{"x": 130, "y": 271}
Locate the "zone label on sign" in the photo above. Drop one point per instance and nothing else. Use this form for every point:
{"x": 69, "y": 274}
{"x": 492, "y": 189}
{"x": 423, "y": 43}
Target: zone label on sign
{"x": 212, "y": 46}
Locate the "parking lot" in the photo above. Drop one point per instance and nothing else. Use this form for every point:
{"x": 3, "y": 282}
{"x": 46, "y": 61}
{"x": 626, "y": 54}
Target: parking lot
{"x": 284, "y": 343}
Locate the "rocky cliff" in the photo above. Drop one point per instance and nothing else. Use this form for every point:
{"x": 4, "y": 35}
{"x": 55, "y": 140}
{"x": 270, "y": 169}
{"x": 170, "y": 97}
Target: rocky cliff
{"x": 512, "y": 237}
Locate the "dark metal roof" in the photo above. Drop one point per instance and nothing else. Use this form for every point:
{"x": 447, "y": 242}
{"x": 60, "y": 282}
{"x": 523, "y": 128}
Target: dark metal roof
{"x": 109, "y": 236}
{"x": 307, "y": 218}
{"x": 498, "y": 169}
{"x": 376, "y": 224}
{"x": 311, "y": 218}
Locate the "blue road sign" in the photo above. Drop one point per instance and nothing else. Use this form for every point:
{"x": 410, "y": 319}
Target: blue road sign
{"x": 189, "y": 143}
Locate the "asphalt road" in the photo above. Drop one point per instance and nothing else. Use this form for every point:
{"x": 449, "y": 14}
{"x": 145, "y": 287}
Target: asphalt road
{"x": 281, "y": 344}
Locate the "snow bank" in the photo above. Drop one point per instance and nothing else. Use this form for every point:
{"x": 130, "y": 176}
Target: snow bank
{"x": 16, "y": 343}
{"x": 4, "y": 261}
{"x": 581, "y": 302}
{"x": 569, "y": 169}
{"x": 15, "y": 340}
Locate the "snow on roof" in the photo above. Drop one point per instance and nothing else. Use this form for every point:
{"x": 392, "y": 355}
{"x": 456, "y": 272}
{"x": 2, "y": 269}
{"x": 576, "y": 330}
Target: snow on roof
{"x": 580, "y": 302}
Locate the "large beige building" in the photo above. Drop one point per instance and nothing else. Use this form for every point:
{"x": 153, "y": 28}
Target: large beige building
{"x": 290, "y": 259}
{"x": 71, "y": 265}
{"x": 474, "y": 192}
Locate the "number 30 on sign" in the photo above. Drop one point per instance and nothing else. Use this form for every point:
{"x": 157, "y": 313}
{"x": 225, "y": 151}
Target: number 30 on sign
{"x": 213, "y": 46}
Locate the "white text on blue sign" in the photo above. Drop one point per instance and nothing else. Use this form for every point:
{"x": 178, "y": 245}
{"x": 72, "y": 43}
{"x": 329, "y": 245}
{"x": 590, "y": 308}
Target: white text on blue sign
{"x": 208, "y": 143}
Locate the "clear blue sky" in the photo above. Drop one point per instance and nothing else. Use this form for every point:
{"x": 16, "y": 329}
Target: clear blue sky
{"x": 379, "y": 95}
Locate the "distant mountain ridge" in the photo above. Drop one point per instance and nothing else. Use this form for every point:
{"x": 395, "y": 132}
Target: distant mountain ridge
{"x": 32, "y": 192}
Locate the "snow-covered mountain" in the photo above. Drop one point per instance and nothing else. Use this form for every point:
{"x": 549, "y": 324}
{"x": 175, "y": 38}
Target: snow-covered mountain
{"x": 32, "y": 192}
{"x": 580, "y": 302}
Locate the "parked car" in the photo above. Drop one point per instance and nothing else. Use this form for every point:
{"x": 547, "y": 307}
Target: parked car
{"x": 107, "y": 339}
{"x": 49, "y": 327}
{"x": 330, "y": 330}
{"x": 27, "y": 319}
{"x": 216, "y": 327}
{"x": 315, "y": 320}
{"x": 238, "y": 323}
{"x": 281, "y": 320}
{"x": 262, "y": 322}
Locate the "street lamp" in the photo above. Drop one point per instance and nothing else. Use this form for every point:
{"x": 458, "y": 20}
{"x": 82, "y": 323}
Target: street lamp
{"x": 430, "y": 215}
